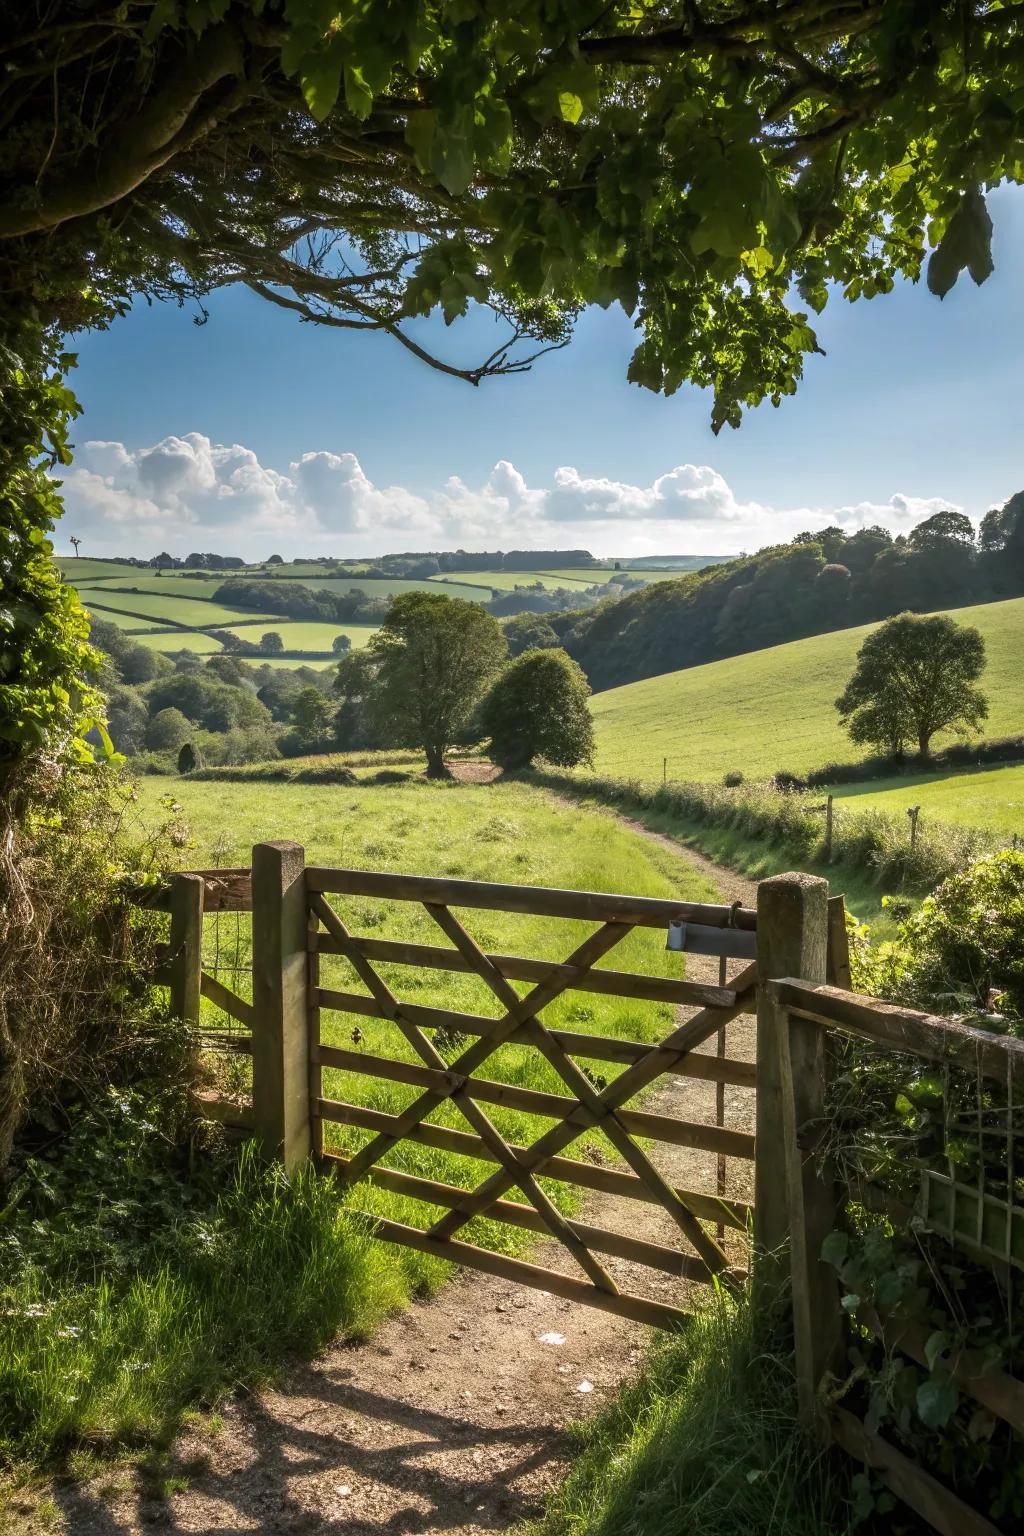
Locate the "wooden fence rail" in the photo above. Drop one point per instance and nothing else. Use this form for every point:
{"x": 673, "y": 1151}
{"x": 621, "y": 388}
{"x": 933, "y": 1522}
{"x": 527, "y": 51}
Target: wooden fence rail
{"x": 815, "y": 1204}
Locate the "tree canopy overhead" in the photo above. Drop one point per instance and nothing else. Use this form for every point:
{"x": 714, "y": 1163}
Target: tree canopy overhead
{"x": 711, "y": 165}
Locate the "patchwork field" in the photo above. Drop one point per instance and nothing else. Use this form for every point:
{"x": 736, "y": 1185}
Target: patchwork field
{"x": 187, "y": 611}
{"x": 386, "y": 586}
{"x": 775, "y": 709}
{"x": 202, "y": 587}
{"x": 300, "y": 635}
{"x": 196, "y": 641}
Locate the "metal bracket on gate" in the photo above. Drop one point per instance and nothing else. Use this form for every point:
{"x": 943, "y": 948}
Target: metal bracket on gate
{"x": 698, "y": 939}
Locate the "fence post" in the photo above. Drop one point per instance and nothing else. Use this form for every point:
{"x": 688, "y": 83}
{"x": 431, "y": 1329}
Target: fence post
{"x": 828, "y": 828}
{"x": 792, "y": 940}
{"x": 793, "y": 1199}
{"x": 185, "y": 951}
{"x": 280, "y": 1036}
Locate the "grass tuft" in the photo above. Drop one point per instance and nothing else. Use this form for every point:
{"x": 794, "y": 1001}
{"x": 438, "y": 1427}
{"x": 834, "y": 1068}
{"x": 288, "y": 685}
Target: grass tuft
{"x": 706, "y": 1439}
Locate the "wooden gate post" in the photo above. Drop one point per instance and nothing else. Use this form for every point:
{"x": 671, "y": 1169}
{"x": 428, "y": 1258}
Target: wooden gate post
{"x": 280, "y": 1036}
{"x": 185, "y": 951}
{"x": 792, "y": 940}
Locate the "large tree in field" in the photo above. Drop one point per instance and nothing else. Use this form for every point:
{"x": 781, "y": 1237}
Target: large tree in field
{"x": 716, "y": 167}
{"x": 539, "y": 707}
{"x": 432, "y": 658}
{"x": 915, "y": 677}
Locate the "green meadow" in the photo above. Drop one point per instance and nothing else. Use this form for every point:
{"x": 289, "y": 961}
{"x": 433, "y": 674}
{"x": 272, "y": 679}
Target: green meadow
{"x": 775, "y": 709}
{"x": 170, "y": 644}
{"x": 170, "y": 609}
{"x": 992, "y": 798}
{"x": 302, "y": 634}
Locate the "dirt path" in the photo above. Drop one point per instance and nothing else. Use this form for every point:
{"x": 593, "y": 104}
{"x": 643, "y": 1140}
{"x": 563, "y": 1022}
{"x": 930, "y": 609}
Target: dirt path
{"x": 451, "y": 1422}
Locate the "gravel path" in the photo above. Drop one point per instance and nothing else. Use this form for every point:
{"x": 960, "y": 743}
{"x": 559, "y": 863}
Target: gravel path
{"x": 452, "y": 1421}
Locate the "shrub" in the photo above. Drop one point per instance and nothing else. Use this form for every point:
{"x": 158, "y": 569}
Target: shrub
{"x": 539, "y": 708}
{"x": 962, "y": 951}
{"x": 167, "y": 730}
{"x": 733, "y": 779}
{"x": 189, "y": 759}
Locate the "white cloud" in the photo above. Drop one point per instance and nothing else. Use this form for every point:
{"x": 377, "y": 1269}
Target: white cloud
{"x": 187, "y": 492}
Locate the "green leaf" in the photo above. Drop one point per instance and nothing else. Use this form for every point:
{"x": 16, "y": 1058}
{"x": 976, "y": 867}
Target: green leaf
{"x": 937, "y": 1401}
{"x": 570, "y": 106}
{"x": 835, "y": 1249}
{"x": 759, "y": 261}
{"x": 420, "y": 130}
{"x": 965, "y": 245}
{"x": 358, "y": 96}
{"x": 937, "y": 1344}
{"x": 320, "y": 79}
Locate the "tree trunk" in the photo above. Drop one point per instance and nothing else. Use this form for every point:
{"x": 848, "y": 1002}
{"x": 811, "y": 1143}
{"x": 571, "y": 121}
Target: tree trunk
{"x": 435, "y": 763}
{"x": 924, "y": 743}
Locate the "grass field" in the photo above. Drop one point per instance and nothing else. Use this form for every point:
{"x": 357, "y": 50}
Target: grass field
{"x": 775, "y": 708}
{"x": 79, "y": 569}
{"x": 588, "y": 578}
{"x": 168, "y": 609}
{"x": 976, "y": 797}
{"x": 302, "y": 635}
{"x": 202, "y": 587}
{"x": 198, "y": 643}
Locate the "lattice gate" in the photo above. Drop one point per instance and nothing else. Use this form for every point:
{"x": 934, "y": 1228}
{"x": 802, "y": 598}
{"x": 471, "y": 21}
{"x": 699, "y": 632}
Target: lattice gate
{"x": 587, "y": 1104}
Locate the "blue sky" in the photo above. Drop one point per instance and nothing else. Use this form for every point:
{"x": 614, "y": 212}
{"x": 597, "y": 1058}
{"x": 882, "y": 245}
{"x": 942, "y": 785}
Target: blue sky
{"x": 255, "y": 432}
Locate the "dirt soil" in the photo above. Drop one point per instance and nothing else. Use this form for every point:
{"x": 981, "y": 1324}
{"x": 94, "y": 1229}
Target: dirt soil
{"x": 453, "y": 1419}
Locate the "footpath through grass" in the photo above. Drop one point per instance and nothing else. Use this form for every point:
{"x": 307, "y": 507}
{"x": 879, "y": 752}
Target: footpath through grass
{"x": 140, "y": 1279}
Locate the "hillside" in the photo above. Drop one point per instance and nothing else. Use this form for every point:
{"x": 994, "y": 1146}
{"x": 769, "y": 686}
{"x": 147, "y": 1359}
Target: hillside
{"x": 820, "y": 582}
{"x": 774, "y": 708}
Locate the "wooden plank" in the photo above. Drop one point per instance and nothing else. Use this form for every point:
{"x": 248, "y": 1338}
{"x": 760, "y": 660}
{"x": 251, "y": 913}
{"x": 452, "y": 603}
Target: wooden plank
{"x": 654, "y": 1255}
{"x": 225, "y": 1111}
{"x": 226, "y": 890}
{"x": 742, "y": 1074}
{"x": 925, "y": 1495}
{"x": 655, "y": 1313}
{"x": 224, "y": 998}
{"x": 997, "y": 1057}
{"x": 227, "y": 1040}
{"x": 566, "y": 1170}
{"x": 555, "y": 1106}
{"x": 535, "y": 900}
{"x": 837, "y": 971}
{"x": 793, "y": 937}
{"x": 997, "y": 1391}
{"x": 585, "y": 1093}
{"x": 592, "y": 948}
{"x": 627, "y": 1085}
{"x": 654, "y": 989}
{"x": 983, "y": 1224}
{"x": 280, "y": 1056}
{"x": 185, "y": 950}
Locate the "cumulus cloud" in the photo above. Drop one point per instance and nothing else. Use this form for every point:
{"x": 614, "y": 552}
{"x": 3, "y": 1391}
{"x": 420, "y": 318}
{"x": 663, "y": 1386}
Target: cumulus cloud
{"x": 188, "y": 492}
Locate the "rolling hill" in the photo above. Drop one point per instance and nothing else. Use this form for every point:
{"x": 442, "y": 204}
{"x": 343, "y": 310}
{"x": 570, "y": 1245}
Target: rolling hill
{"x": 774, "y": 709}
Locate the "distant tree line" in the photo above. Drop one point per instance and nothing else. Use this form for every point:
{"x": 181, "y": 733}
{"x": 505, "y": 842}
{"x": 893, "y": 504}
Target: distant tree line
{"x": 819, "y": 582}
{"x": 297, "y": 601}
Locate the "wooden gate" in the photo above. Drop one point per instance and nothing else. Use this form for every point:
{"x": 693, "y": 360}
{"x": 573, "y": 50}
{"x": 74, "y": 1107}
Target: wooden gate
{"x": 585, "y": 1106}
{"x": 301, "y": 914}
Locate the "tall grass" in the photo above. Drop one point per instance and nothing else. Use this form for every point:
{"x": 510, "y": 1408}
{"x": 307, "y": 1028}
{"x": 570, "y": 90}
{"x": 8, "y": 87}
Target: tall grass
{"x": 705, "y": 1440}
{"x": 872, "y": 844}
{"x": 217, "y": 1296}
